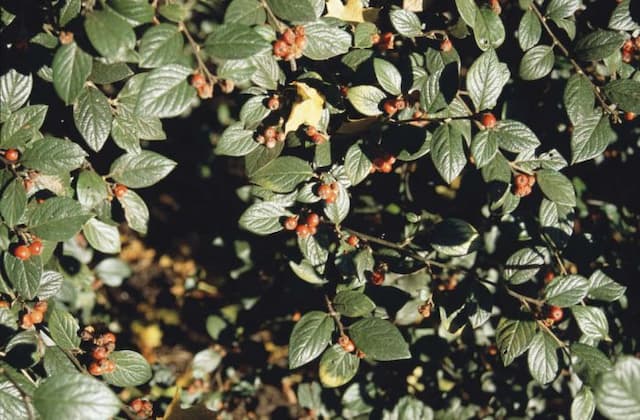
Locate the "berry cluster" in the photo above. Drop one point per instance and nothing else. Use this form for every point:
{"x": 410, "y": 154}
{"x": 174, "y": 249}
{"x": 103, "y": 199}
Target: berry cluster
{"x": 120, "y": 190}
{"x": 391, "y": 106}
{"x": 629, "y": 48}
{"x": 522, "y": 184}
{"x": 346, "y": 343}
{"x": 384, "y": 41}
{"x": 11, "y": 155}
{"x": 103, "y": 345}
{"x": 306, "y": 229}
{"x": 383, "y": 163}
{"x": 328, "y": 192}
{"x": 204, "y": 88}
{"x": 24, "y": 252}
{"x": 270, "y": 136}
{"x": 314, "y": 135}
{"x": 142, "y": 408}
{"x": 34, "y": 316}
{"x": 290, "y": 44}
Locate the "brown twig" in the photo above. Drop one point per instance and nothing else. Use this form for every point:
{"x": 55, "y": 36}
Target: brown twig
{"x": 196, "y": 51}
{"x": 335, "y": 315}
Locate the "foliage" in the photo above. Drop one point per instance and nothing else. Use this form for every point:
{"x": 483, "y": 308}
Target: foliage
{"x": 396, "y": 159}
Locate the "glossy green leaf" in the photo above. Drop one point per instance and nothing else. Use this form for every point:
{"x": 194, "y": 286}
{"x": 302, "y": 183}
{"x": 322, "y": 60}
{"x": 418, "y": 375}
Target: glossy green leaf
{"x": 579, "y": 98}
{"x": 625, "y": 93}
{"x": 486, "y": 78}
{"x": 233, "y": 41}
{"x": 15, "y": 89}
{"x": 379, "y": 339}
{"x": 24, "y": 275}
{"x": 141, "y": 170}
{"x": 366, "y": 99}
{"x": 592, "y": 321}
{"x": 161, "y": 44}
{"x": 353, "y": 303}
{"x": 488, "y": 29}
{"x": 556, "y": 187}
{"x": 13, "y": 202}
{"x": 92, "y": 116}
{"x": 64, "y": 329}
{"x": 136, "y": 212}
{"x": 298, "y": 11}
{"x": 337, "y": 367}
{"x": 57, "y": 219}
{"x": 529, "y": 30}
{"x": 325, "y": 41}
{"x": 543, "y": 358}
{"x": 110, "y": 35}
{"x": 165, "y": 93}
{"x": 525, "y": 263}
{"x": 603, "y": 287}
{"x": 71, "y": 67}
{"x": 618, "y": 392}
{"x": 591, "y": 136}
{"x": 102, "y": 236}
{"x": 598, "y": 44}
{"x": 513, "y": 338}
{"x": 310, "y": 336}
{"x": 537, "y": 63}
{"x": 388, "y": 76}
{"x": 236, "y": 141}
{"x": 447, "y": 152}
{"x": 263, "y": 218}
{"x": 131, "y": 369}
{"x": 283, "y": 174}
{"x": 405, "y": 22}
{"x": 583, "y": 405}
{"x": 565, "y": 291}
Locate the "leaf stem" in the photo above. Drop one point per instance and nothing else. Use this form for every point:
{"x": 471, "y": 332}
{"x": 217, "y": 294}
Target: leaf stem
{"x": 524, "y": 298}
{"x": 280, "y": 27}
{"x": 196, "y": 51}
{"x": 335, "y": 315}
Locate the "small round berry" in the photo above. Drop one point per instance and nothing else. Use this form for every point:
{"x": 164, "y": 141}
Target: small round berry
{"x": 65, "y": 37}
{"x": 108, "y": 365}
{"x": 375, "y": 38}
{"x": 12, "y": 155}
{"x": 41, "y": 306}
{"x": 489, "y": 120}
{"x": 226, "y": 85}
{"x": 299, "y": 31}
{"x": 386, "y": 168}
{"x": 281, "y": 49}
{"x": 95, "y": 369}
{"x": 521, "y": 180}
{"x": 86, "y": 334}
{"x": 389, "y": 107}
{"x": 99, "y": 353}
{"x": 136, "y": 405}
{"x": 270, "y": 132}
{"x": 628, "y": 46}
{"x": 390, "y": 159}
{"x": 492, "y": 350}
{"x": 425, "y": 310}
{"x": 303, "y": 231}
{"x": 313, "y": 230}
{"x": 291, "y": 223}
{"x": 556, "y": 313}
{"x": 446, "y": 45}
{"x": 311, "y": 131}
{"x": 400, "y": 104}
{"x": 627, "y": 57}
{"x": 108, "y": 337}
{"x": 548, "y": 277}
{"x": 379, "y": 161}
{"x": 198, "y": 80}
{"x": 318, "y": 138}
{"x": 26, "y": 321}
{"x": 120, "y": 190}
{"x": 313, "y": 220}
{"x": 324, "y": 191}
{"x": 301, "y": 42}
{"x": 273, "y": 103}
{"x": 22, "y": 252}
{"x": 205, "y": 91}
{"x": 36, "y": 317}
{"x": 288, "y": 36}
{"x": 629, "y": 116}
{"x": 349, "y": 347}
{"x": 271, "y": 143}
{"x": 377, "y": 278}
{"x": 331, "y": 198}
{"x": 522, "y": 191}
{"x": 386, "y": 41}
{"x": 36, "y": 247}
{"x": 531, "y": 180}
{"x": 353, "y": 240}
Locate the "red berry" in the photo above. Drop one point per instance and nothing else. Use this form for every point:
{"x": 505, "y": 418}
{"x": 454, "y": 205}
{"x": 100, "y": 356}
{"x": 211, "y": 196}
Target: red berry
{"x": 489, "y": 120}
{"x": 389, "y": 107}
{"x": 270, "y": 133}
{"x": 548, "y": 277}
{"x": 521, "y": 180}
{"x": 331, "y": 198}
{"x": 629, "y": 116}
{"x": 36, "y": 247}
{"x": 324, "y": 191}
{"x": 628, "y": 46}
{"x": 299, "y": 30}
{"x": 317, "y": 138}
{"x": 386, "y": 168}
{"x": 556, "y": 313}
{"x": 281, "y": 49}
{"x": 136, "y": 405}
{"x": 446, "y": 45}
{"x": 353, "y": 240}
{"x": 346, "y": 344}
{"x": 36, "y": 317}
{"x": 108, "y": 366}
{"x": 288, "y": 36}
{"x": 386, "y": 41}
{"x": 313, "y": 230}
{"x": 291, "y": 223}
{"x": 531, "y": 180}
{"x": 65, "y": 37}
{"x": 12, "y": 155}
{"x": 400, "y": 104}
{"x": 120, "y": 190}
{"x": 310, "y": 131}
{"x": 377, "y": 278}
{"x": 523, "y": 191}
{"x": 273, "y": 103}
{"x": 198, "y": 80}
{"x": 22, "y": 252}
{"x": 205, "y": 91}
{"x": 303, "y": 231}
{"x": 313, "y": 220}
{"x": 95, "y": 369}
{"x": 99, "y": 353}
{"x": 41, "y": 306}
{"x": 26, "y": 321}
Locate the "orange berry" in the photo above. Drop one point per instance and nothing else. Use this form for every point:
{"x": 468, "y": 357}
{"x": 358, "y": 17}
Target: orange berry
{"x": 205, "y": 91}
{"x": 334, "y": 186}
{"x": 400, "y": 104}
{"x": 95, "y": 369}
{"x": 349, "y": 347}
{"x": 353, "y": 240}
{"x": 425, "y": 310}
{"x": 310, "y": 131}
{"x": 331, "y": 198}
{"x": 548, "y": 277}
{"x": 108, "y": 366}
{"x": 629, "y": 116}
{"x": 36, "y": 247}
{"x": 389, "y": 107}
{"x": 288, "y": 36}
{"x": 531, "y": 180}
{"x": 301, "y": 42}
{"x": 556, "y": 313}
{"x": 303, "y": 231}
{"x": 386, "y": 41}
{"x": 22, "y": 252}
{"x": 377, "y": 278}
{"x": 492, "y": 350}
{"x": 120, "y": 190}
{"x": 36, "y": 317}
{"x": 41, "y": 306}
{"x": 226, "y": 85}
{"x": 375, "y": 38}
{"x": 108, "y": 337}
{"x": 628, "y": 46}
{"x": 271, "y": 143}
{"x": 313, "y": 230}
{"x": 26, "y": 321}
{"x": 281, "y": 49}
{"x": 296, "y": 316}
{"x": 521, "y": 180}
{"x": 489, "y": 120}
{"x": 299, "y": 31}
{"x": 324, "y": 191}
{"x": 446, "y": 45}
{"x": 313, "y": 220}
{"x": 386, "y": 168}
{"x": 4, "y": 304}
{"x": 12, "y": 155}
{"x": 65, "y": 37}
{"x": 318, "y": 138}
{"x": 522, "y": 191}
{"x": 273, "y": 103}
{"x": 627, "y": 57}
{"x": 270, "y": 132}
{"x": 99, "y": 353}
{"x": 291, "y": 223}
{"x": 198, "y": 80}
{"x": 136, "y": 405}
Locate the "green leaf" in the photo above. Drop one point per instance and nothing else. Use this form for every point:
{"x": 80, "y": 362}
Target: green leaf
{"x": 353, "y": 303}
{"x": 267, "y": 73}
{"x": 590, "y": 137}
{"x": 537, "y": 63}
{"x": 339, "y": 209}
{"x": 246, "y": 12}
{"x": 583, "y": 405}
{"x": 529, "y": 30}
{"x": 592, "y": 321}
{"x": 74, "y": 396}
{"x": 282, "y": 174}
{"x": 92, "y": 116}
{"x": 15, "y": 89}
{"x": 388, "y": 76}
{"x": 71, "y": 67}
{"x": 310, "y": 336}
{"x": 598, "y": 44}
{"x": 454, "y": 237}
{"x": 254, "y": 111}
{"x": 236, "y": 141}
{"x": 486, "y": 78}
{"x": 409, "y": 407}
{"x": 618, "y": 391}
{"x": 141, "y": 170}
{"x": 488, "y": 29}
{"x": 447, "y": 152}
{"x": 603, "y": 287}
{"x": 161, "y": 44}
{"x": 565, "y": 291}
{"x": 357, "y": 164}
{"x": 13, "y": 202}
{"x": 621, "y": 19}
{"x": 558, "y": 9}
{"x": 175, "y": 12}
{"x": 556, "y": 222}
{"x": 325, "y": 41}
{"x": 314, "y": 252}
{"x": 131, "y": 369}
{"x": 112, "y": 271}
{"x": 104, "y": 74}
{"x": 468, "y": 11}
{"x": 109, "y": 34}
{"x": 625, "y": 93}
{"x": 513, "y": 338}
{"x": 22, "y": 126}
{"x": 263, "y": 218}
{"x": 56, "y": 361}
{"x": 515, "y": 137}
{"x": 366, "y": 99}
{"x": 136, "y": 12}
{"x": 136, "y": 212}
{"x": 13, "y": 387}
{"x": 405, "y": 22}
{"x": 591, "y": 357}
{"x": 24, "y": 275}
{"x": 91, "y": 189}
{"x": 165, "y": 92}
{"x": 64, "y": 329}
{"x": 484, "y": 147}
{"x": 298, "y": 11}
{"x": 579, "y": 98}
{"x": 69, "y": 11}
{"x": 50, "y": 284}
{"x": 379, "y": 339}
{"x": 525, "y": 263}
{"x": 543, "y": 358}
{"x": 556, "y": 187}
{"x": 233, "y": 41}
{"x": 306, "y": 272}
{"x": 101, "y": 236}
{"x": 57, "y": 219}
{"x": 337, "y": 367}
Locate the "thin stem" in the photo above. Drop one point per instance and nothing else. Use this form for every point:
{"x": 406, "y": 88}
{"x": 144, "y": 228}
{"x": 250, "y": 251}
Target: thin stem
{"x": 578, "y": 68}
{"x": 429, "y": 119}
{"x": 196, "y": 51}
{"x": 25, "y": 397}
{"x": 525, "y": 299}
{"x": 67, "y": 353}
{"x": 335, "y": 315}
{"x": 281, "y": 27}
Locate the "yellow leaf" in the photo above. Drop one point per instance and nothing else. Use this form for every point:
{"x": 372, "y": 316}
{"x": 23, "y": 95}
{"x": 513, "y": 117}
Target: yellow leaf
{"x": 307, "y": 109}
{"x": 350, "y": 12}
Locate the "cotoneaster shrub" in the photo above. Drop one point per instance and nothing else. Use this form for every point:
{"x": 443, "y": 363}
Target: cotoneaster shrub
{"x": 363, "y": 128}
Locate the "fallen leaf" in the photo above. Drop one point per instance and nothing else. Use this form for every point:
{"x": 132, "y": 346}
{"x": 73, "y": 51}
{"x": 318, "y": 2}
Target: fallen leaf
{"x": 350, "y": 12}
{"x": 307, "y": 109}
